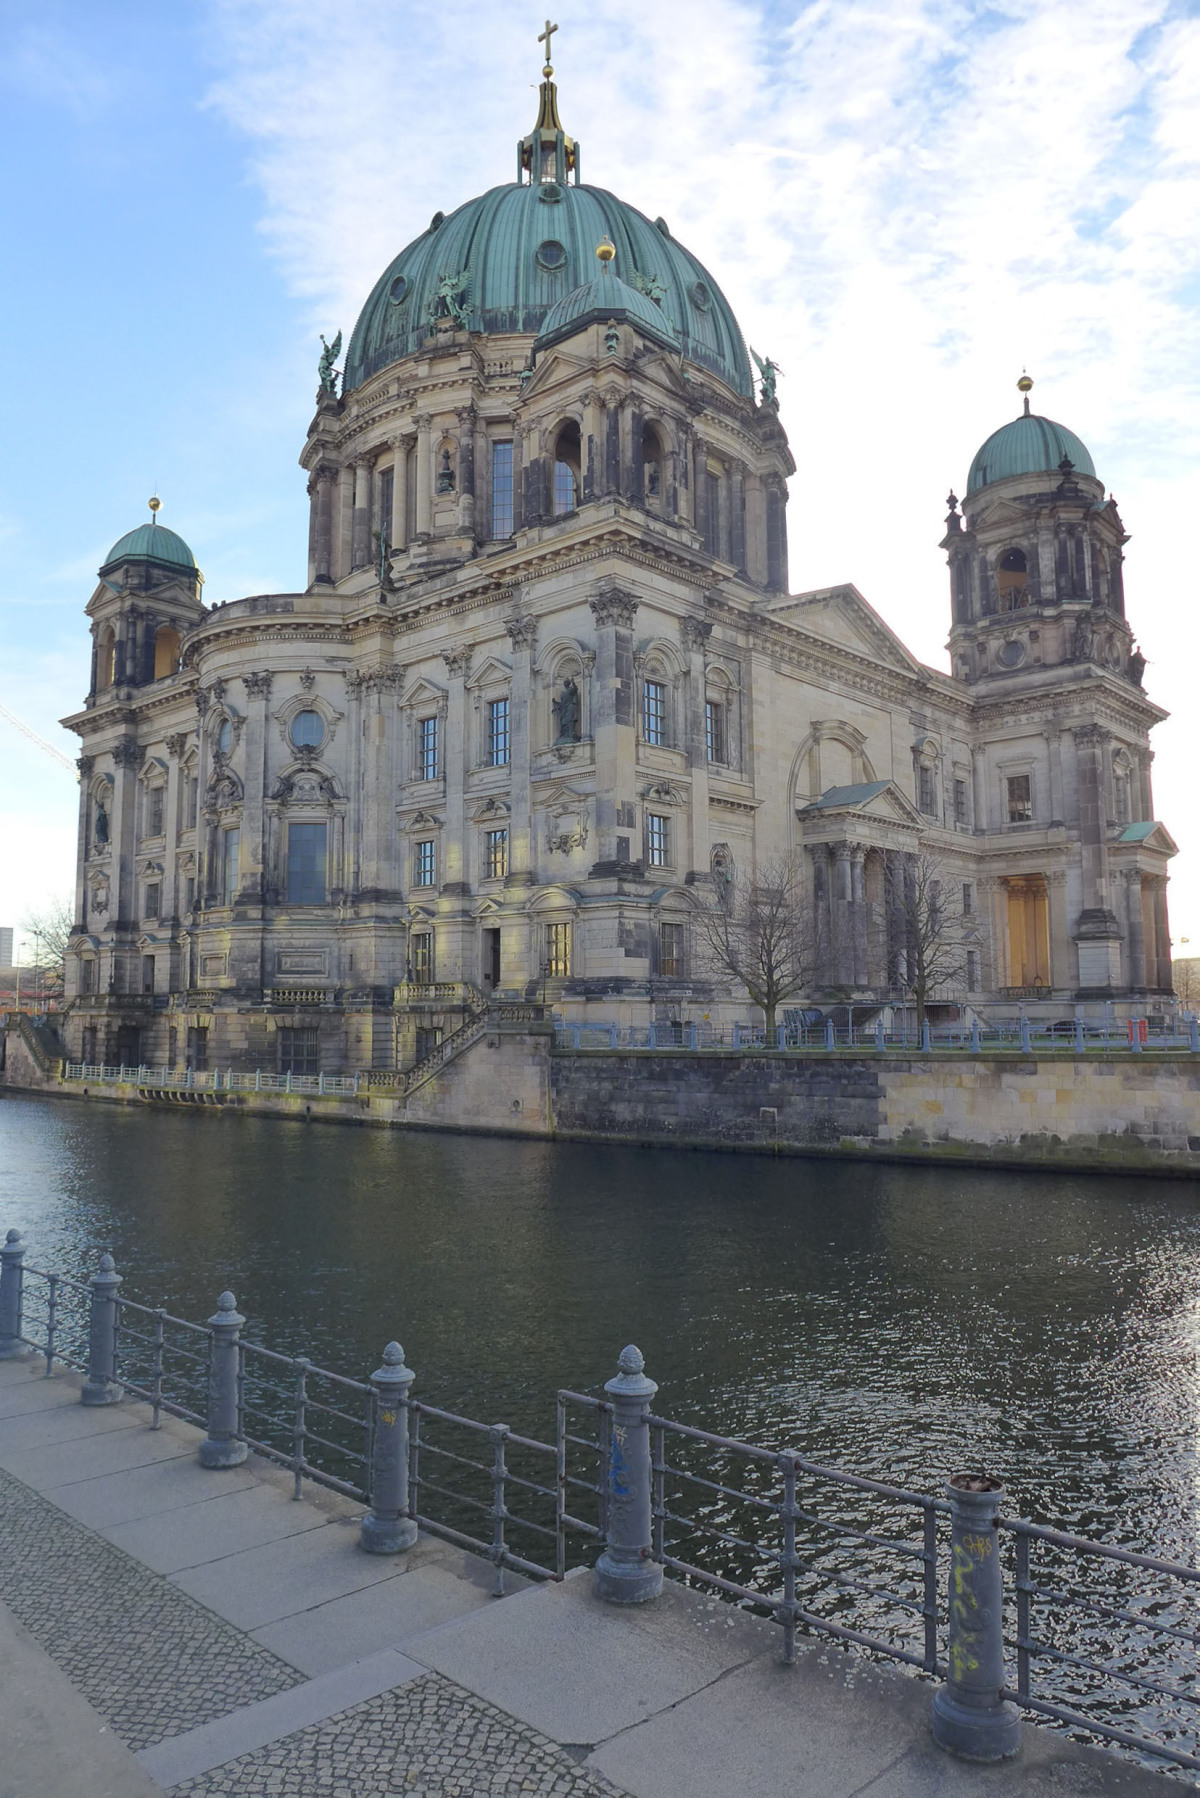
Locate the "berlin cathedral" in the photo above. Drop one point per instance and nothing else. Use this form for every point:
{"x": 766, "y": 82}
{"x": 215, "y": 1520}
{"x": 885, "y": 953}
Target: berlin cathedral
{"x": 548, "y": 677}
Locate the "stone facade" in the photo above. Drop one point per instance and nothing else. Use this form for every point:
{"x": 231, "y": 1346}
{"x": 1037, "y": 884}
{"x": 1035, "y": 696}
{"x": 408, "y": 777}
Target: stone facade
{"x": 547, "y": 675}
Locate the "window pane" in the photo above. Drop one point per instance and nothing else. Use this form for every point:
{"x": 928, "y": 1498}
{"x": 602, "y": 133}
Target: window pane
{"x": 657, "y": 842}
{"x": 299, "y": 1051}
{"x": 502, "y": 490}
{"x": 654, "y": 712}
{"x": 558, "y": 951}
{"x": 308, "y": 730}
{"x": 420, "y": 950}
{"x": 306, "y": 864}
{"x": 960, "y": 802}
{"x": 564, "y": 488}
{"x": 496, "y": 858}
{"x": 427, "y": 755}
{"x": 152, "y": 892}
{"x": 670, "y": 951}
{"x": 498, "y": 732}
{"x": 230, "y": 848}
{"x": 154, "y": 812}
{"x": 387, "y": 494}
{"x": 714, "y": 730}
{"x": 225, "y": 737}
{"x": 1020, "y": 799}
{"x": 425, "y": 864}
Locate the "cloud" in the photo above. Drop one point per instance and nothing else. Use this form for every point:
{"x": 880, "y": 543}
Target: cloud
{"x": 907, "y": 202}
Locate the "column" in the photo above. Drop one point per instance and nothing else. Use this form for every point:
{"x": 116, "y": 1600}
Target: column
{"x": 842, "y": 915}
{"x": 456, "y": 755}
{"x": 522, "y": 633}
{"x": 86, "y": 766}
{"x": 1162, "y": 934}
{"x": 1135, "y": 951}
{"x": 122, "y": 899}
{"x": 823, "y": 910}
{"x": 424, "y": 453}
{"x": 251, "y": 876}
{"x": 1058, "y": 811}
{"x": 398, "y": 524}
{"x": 696, "y": 632}
{"x": 314, "y": 490}
{"x": 172, "y": 814}
{"x": 326, "y": 482}
{"x": 614, "y": 727}
{"x": 204, "y": 872}
{"x": 593, "y": 440}
{"x": 980, "y": 794}
{"x": 737, "y": 518}
{"x": 343, "y": 543}
{"x": 360, "y": 533}
{"x": 466, "y": 469}
{"x": 1090, "y": 740}
{"x": 858, "y": 912}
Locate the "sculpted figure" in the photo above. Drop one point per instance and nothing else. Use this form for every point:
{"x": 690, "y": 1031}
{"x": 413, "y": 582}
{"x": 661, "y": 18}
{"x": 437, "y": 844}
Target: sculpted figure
{"x": 101, "y": 823}
{"x": 566, "y": 711}
{"x": 768, "y": 370}
{"x": 325, "y": 368}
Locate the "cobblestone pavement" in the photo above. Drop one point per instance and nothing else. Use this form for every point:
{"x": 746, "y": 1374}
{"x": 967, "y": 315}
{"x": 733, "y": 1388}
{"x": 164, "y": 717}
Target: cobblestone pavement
{"x": 151, "y": 1660}
{"x": 427, "y": 1739}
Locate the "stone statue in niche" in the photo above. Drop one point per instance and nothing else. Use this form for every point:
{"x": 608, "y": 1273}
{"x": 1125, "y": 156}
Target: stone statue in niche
{"x": 101, "y": 824}
{"x": 1083, "y": 641}
{"x": 566, "y": 712}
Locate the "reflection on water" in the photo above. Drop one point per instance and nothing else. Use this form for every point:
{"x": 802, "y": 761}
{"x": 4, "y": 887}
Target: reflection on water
{"x": 899, "y": 1322}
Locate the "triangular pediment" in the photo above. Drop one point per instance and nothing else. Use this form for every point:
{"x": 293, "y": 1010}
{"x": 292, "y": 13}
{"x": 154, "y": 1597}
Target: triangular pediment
{"x": 489, "y": 672}
{"x": 878, "y": 800}
{"x": 842, "y": 616}
{"x": 1149, "y": 835}
{"x": 424, "y": 692}
{"x": 557, "y": 792}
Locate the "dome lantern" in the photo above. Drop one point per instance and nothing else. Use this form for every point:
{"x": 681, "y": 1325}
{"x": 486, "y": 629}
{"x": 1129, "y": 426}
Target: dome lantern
{"x": 547, "y": 154}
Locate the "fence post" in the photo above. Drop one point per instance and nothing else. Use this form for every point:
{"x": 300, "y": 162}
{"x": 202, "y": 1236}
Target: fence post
{"x": 926, "y": 1039}
{"x": 879, "y": 1042}
{"x": 1079, "y": 1044}
{"x": 100, "y": 1387}
{"x": 12, "y": 1294}
{"x": 1025, "y": 1044}
{"x": 625, "y": 1572}
{"x": 1135, "y": 1035}
{"x": 387, "y": 1529}
{"x": 1194, "y": 1035}
{"x": 970, "y": 1718}
{"x": 223, "y": 1447}
{"x": 975, "y": 1044}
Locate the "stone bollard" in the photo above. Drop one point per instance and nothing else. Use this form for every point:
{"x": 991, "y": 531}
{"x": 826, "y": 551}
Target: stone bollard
{"x": 12, "y": 1295}
{"x": 100, "y": 1387}
{"x": 223, "y": 1447}
{"x": 625, "y": 1573}
{"x": 926, "y": 1038}
{"x": 387, "y": 1529}
{"x": 970, "y": 1718}
{"x": 975, "y": 1042}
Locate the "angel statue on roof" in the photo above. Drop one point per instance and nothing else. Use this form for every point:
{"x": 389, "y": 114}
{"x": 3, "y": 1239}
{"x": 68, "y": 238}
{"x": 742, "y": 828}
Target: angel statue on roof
{"x": 325, "y": 368}
{"x": 768, "y": 370}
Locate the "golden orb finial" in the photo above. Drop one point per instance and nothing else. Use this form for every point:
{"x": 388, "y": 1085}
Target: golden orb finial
{"x": 1023, "y": 386}
{"x": 605, "y": 251}
{"x": 155, "y": 505}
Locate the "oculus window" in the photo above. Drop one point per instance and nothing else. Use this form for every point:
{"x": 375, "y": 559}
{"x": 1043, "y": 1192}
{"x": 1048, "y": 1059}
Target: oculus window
{"x": 224, "y": 737}
{"x": 306, "y": 864}
{"x": 307, "y": 730}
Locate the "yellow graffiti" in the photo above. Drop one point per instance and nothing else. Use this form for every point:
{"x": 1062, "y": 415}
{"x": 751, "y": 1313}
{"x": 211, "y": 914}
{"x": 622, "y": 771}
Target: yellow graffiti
{"x": 979, "y": 1546}
{"x": 963, "y": 1564}
{"x": 388, "y": 1417}
{"x": 962, "y": 1661}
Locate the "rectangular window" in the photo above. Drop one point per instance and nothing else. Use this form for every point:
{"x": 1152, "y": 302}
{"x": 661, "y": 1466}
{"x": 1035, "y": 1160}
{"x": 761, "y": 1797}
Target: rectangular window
{"x": 87, "y": 979}
{"x": 972, "y": 970}
{"x": 427, "y": 751}
{"x": 387, "y": 495}
{"x": 425, "y": 863}
{"x": 926, "y": 791}
{"x": 712, "y": 512}
{"x": 153, "y": 889}
{"x": 306, "y": 848}
{"x": 714, "y": 730}
{"x": 147, "y": 973}
{"x": 658, "y": 840}
{"x": 299, "y": 1051}
{"x": 498, "y": 727}
{"x": 154, "y": 811}
{"x": 420, "y": 953}
{"x": 502, "y": 490}
{"x": 654, "y": 711}
{"x": 496, "y": 855}
{"x": 960, "y": 802}
{"x": 189, "y": 892}
{"x": 670, "y": 951}
{"x": 197, "y": 1048}
{"x": 558, "y": 951}
{"x": 230, "y": 855}
{"x": 1020, "y": 798}
{"x": 968, "y": 897}
{"x": 193, "y": 803}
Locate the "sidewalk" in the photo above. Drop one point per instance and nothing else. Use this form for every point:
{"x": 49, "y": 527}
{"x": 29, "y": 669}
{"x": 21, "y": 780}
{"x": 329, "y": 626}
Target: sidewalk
{"x": 173, "y": 1629}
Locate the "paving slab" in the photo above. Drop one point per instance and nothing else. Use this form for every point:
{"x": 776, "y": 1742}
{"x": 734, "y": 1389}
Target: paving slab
{"x": 426, "y": 1597}
{"x": 61, "y": 1423}
{"x": 23, "y": 1387}
{"x": 579, "y": 1670}
{"x": 273, "y": 1719}
{"x": 223, "y": 1524}
{"x": 164, "y": 1486}
{"x": 261, "y": 1585}
{"x": 65, "y": 1463}
{"x": 54, "y": 1744}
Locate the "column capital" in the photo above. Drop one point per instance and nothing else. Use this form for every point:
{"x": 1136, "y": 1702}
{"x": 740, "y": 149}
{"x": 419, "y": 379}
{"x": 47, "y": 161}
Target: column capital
{"x": 458, "y": 660}
{"x": 522, "y": 632}
{"x": 612, "y": 605}
{"x": 696, "y": 632}
{"x": 258, "y": 686}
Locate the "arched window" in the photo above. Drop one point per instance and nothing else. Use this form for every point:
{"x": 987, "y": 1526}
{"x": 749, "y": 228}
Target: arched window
{"x": 224, "y": 737}
{"x": 1122, "y": 770}
{"x": 106, "y": 658}
{"x": 566, "y": 470}
{"x": 166, "y": 651}
{"x": 651, "y": 466}
{"x": 1012, "y": 575}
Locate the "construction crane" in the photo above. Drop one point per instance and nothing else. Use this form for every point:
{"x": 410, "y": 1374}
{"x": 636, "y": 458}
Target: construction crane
{"x": 64, "y": 761}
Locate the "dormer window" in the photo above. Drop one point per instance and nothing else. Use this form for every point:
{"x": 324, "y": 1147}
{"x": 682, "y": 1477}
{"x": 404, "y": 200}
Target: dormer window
{"x": 1012, "y": 575}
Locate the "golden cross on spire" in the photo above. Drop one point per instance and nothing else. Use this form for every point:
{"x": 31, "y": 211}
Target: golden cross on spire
{"x": 544, "y": 38}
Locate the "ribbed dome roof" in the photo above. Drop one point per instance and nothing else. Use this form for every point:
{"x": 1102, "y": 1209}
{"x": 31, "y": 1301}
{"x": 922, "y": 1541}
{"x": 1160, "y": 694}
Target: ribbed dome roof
{"x": 1027, "y": 445}
{"x": 522, "y": 249}
{"x": 151, "y": 543}
{"x": 606, "y": 297}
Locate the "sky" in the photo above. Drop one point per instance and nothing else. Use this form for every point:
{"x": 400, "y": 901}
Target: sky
{"x": 907, "y": 202}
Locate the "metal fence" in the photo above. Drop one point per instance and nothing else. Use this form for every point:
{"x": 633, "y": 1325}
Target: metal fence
{"x": 1020, "y": 1035}
{"x": 1102, "y": 1637}
{"x": 215, "y": 1079}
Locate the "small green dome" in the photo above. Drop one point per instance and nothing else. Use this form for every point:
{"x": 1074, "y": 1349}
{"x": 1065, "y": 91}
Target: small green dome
{"x": 1027, "y": 445}
{"x": 522, "y": 249}
{"x": 151, "y": 543}
{"x": 606, "y": 297}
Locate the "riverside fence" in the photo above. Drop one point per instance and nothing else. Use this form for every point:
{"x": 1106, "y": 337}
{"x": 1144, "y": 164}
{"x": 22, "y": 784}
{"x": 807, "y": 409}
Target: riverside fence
{"x": 1005, "y": 1614}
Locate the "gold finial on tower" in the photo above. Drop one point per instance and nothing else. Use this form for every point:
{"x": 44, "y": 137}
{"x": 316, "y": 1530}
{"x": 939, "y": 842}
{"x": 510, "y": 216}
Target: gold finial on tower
{"x": 1023, "y": 386}
{"x": 155, "y": 505}
{"x": 605, "y": 251}
{"x": 544, "y": 38}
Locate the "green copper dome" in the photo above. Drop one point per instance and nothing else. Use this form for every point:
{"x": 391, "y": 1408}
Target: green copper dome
{"x": 519, "y": 250}
{"x": 151, "y": 543}
{"x": 606, "y": 297}
{"x": 1027, "y": 445}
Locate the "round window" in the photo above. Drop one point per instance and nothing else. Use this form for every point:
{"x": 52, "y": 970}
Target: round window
{"x": 307, "y": 730}
{"x": 225, "y": 737}
{"x": 701, "y": 298}
{"x": 398, "y": 290}
{"x": 1011, "y": 654}
{"x": 549, "y": 191}
{"x": 551, "y": 254}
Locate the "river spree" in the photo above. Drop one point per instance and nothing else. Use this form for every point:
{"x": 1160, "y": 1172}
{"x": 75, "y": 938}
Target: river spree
{"x": 899, "y": 1322}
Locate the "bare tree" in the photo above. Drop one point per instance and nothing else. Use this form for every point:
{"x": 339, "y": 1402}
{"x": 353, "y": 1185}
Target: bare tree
{"x": 1185, "y": 978}
{"x": 48, "y": 928}
{"x": 758, "y": 929}
{"x": 927, "y": 929}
